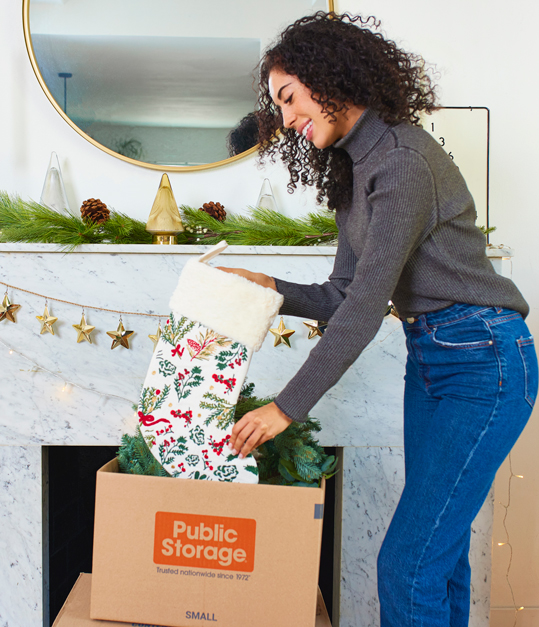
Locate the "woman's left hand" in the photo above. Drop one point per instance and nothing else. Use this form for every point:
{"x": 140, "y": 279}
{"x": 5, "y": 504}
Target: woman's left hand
{"x": 256, "y": 277}
{"x": 256, "y": 427}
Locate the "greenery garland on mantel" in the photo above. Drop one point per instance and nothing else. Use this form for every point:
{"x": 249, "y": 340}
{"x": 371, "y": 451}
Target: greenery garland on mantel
{"x": 30, "y": 222}
{"x": 262, "y": 227}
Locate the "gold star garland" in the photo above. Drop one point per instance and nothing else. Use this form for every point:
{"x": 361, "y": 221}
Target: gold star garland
{"x": 282, "y": 334}
{"x": 7, "y": 310}
{"x": 83, "y": 330}
{"x": 155, "y": 338}
{"x": 47, "y": 321}
{"x": 316, "y": 328}
{"x": 121, "y": 337}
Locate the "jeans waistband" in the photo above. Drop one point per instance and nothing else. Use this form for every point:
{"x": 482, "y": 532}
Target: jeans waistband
{"x": 458, "y": 311}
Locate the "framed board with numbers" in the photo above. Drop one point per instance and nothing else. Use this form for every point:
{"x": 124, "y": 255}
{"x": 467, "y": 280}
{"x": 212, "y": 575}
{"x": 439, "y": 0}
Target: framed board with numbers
{"x": 464, "y": 134}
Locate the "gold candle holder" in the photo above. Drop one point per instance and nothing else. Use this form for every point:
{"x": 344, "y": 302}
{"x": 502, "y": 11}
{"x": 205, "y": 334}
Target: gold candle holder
{"x": 164, "y": 222}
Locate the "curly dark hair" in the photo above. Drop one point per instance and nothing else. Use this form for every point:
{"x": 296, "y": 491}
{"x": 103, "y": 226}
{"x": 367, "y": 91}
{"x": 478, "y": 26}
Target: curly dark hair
{"x": 244, "y": 136}
{"x": 343, "y": 61}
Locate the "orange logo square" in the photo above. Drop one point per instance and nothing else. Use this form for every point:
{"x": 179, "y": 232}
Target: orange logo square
{"x": 216, "y": 542}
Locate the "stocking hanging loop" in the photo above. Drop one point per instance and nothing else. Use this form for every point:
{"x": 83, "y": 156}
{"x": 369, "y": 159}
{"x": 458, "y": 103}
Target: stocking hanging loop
{"x": 213, "y": 252}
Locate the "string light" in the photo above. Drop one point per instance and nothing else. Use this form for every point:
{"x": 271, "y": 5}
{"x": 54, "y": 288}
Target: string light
{"x": 508, "y": 541}
{"x": 38, "y": 368}
{"x": 506, "y": 507}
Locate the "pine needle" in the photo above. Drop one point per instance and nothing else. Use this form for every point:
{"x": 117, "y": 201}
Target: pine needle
{"x": 28, "y": 221}
{"x": 262, "y": 227}
{"x": 121, "y": 229}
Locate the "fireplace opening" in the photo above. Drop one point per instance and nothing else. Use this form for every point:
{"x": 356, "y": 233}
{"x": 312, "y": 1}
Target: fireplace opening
{"x": 69, "y": 475}
{"x": 69, "y": 503}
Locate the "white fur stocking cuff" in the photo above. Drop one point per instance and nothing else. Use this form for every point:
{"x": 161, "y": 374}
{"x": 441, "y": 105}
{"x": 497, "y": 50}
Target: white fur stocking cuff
{"x": 225, "y": 302}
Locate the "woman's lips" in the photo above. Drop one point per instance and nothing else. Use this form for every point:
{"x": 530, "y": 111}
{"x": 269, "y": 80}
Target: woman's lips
{"x": 307, "y": 130}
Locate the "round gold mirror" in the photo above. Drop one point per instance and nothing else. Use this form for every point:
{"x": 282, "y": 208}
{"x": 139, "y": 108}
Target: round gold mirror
{"x": 166, "y": 84}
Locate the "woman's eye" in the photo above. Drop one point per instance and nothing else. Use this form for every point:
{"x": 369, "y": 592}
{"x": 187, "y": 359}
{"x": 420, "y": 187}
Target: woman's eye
{"x": 288, "y": 100}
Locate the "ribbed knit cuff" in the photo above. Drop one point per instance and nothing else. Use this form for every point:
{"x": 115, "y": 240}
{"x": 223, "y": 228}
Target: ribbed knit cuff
{"x": 289, "y": 292}
{"x": 282, "y": 405}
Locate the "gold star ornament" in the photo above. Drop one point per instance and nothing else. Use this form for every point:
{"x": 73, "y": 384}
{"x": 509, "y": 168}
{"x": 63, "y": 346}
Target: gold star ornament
{"x": 316, "y": 328}
{"x": 7, "y": 310}
{"x": 83, "y": 330}
{"x": 46, "y": 321}
{"x": 155, "y": 338}
{"x": 120, "y": 337}
{"x": 282, "y": 334}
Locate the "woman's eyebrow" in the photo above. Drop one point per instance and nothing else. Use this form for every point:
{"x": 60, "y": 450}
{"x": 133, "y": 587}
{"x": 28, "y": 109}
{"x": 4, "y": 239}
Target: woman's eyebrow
{"x": 280, "y": 90}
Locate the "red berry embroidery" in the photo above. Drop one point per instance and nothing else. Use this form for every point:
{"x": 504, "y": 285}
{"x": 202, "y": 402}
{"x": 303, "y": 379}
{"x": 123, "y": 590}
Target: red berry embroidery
{"x": 228, "y": 383}
{"x": 217, "y": 447}
{"x": 187, "y": 415}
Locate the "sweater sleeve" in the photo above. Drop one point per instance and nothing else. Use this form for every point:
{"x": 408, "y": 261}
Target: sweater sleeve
{"x": 315, "y": 301}
{"x": 402, "y": 197}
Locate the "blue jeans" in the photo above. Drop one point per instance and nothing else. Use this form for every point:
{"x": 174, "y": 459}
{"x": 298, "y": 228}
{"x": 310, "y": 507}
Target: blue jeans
{"x": 471, "y": 381}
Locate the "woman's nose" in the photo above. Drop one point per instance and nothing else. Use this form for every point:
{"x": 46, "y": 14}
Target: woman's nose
{"x": 288, "y": 118}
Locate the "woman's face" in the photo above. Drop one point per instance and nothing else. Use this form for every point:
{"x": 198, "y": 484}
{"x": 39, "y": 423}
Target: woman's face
{"x": 304, "y": 115}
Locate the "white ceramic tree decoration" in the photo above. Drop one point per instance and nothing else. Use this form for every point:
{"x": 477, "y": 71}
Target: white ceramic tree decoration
{"x": 266, "y": 199}
{"x": 54, "y": 193}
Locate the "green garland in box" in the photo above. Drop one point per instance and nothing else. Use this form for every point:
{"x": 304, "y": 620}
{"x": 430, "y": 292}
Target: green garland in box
{"x": 291, "y": 458}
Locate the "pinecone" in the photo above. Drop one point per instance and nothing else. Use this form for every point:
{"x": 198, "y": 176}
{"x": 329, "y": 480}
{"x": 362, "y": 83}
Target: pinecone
{"x": 93, "y": 210}
{"x": 215, "y": 210}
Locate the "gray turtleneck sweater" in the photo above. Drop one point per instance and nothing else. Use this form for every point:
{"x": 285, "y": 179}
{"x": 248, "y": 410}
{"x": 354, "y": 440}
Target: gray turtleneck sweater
{"x": 409, "y": 236}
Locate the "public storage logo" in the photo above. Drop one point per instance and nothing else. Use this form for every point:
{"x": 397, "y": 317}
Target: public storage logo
{"x": 215, "y": 542}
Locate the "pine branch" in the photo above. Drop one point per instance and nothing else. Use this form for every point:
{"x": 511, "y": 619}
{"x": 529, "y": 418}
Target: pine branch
{"x": 28, "y": 221}
{"x": 121, "y": 229}
{"x": 134, "y": 457}
{"x": 262, "y": 227}
{"x": 486, "y": 230}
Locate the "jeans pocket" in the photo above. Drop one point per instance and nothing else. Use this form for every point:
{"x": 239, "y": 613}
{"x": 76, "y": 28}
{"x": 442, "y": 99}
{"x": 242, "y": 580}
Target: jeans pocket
{"x": 526, "y": 348}
{"x": 467, "y": 333}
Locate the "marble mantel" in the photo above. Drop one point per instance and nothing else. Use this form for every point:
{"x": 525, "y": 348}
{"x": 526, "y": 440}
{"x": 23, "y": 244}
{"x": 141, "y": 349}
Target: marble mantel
{"x": 57, "y": 392}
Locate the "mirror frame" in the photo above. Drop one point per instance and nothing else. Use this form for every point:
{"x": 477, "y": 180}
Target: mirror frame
{"x": 151, "y": 166}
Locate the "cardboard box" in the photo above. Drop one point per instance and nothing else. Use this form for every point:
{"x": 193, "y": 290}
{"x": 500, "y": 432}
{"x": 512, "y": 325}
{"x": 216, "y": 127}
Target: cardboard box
{"x": 76, "y": 609}
{"x": 184, "y": 553}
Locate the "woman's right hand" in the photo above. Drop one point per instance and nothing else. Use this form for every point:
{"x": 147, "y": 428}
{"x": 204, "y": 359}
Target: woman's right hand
{"x": 256, "y": 277}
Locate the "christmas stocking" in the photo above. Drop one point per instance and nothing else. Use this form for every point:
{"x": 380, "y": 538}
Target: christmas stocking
{"x": 187, "y": 404}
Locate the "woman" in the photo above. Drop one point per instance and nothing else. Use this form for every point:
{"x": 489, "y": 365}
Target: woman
{"x": 347, "y": 103}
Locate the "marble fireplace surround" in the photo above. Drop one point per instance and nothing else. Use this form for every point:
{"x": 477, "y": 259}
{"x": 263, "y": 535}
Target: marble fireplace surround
{"x": 57, "y": 392}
